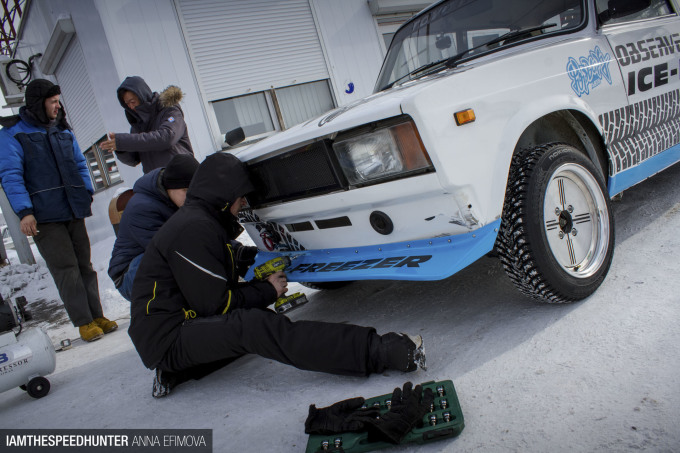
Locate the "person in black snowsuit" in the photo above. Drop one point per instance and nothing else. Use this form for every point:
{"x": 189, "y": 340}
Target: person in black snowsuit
{"x": 190, "y": 313}
{"x": 157, "y": 127}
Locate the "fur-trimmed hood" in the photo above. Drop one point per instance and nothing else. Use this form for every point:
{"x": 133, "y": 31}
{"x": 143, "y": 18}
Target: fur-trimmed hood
{"x": 157, "y": 127}
{"x": 172, "y": 95}
{"x": 150, "y": 101}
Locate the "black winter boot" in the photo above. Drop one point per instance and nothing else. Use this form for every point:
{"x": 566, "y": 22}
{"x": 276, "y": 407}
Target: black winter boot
{"x": 163, "y": 383}
{"x": 396, "y": 351}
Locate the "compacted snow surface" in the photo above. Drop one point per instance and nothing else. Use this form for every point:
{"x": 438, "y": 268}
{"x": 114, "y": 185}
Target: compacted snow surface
{"x": 602, "y": 374}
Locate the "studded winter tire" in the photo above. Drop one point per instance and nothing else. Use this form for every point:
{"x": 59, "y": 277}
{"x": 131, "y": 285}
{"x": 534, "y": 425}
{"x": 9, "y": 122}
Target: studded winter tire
{"x": 557, "y": 232}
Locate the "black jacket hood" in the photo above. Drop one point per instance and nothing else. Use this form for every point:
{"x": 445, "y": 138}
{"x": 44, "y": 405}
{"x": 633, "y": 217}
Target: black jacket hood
{"x": 219, "y": 181}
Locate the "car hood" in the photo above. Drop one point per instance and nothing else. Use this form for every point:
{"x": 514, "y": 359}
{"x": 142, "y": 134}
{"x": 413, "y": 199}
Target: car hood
{"x": 385, "y": 104}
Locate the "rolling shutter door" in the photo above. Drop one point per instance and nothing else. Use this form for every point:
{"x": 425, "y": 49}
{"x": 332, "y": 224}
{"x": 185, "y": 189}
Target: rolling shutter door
{"x": 78, "y": 98}
{"x": 245, "y": 46}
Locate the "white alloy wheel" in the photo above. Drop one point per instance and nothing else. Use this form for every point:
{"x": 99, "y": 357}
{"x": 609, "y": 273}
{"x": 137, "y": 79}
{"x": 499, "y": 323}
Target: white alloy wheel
{"x": 576, "y": 222}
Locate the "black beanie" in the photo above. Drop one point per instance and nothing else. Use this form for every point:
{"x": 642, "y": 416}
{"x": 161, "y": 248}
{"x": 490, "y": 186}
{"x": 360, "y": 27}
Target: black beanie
{"x": 179, "y": 171}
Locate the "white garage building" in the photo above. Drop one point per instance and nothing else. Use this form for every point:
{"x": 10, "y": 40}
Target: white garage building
{"x": 264, "y": 65}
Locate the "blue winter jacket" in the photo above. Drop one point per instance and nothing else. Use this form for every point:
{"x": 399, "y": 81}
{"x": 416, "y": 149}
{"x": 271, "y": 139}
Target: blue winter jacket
{"x": 145, "y": 213}
{"x": 44, "y": 173}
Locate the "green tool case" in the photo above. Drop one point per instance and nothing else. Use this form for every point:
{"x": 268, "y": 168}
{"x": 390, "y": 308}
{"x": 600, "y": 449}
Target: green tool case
{"x": 445, "y": 419}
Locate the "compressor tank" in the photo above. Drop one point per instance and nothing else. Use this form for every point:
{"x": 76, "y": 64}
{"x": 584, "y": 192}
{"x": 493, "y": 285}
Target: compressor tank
{"x": 25, "y": 359}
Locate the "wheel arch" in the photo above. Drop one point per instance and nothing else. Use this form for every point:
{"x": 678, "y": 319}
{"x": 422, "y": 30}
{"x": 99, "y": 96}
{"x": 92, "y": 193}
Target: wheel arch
{"x": 572, "y": 127}
{"x": 559, "y": 118}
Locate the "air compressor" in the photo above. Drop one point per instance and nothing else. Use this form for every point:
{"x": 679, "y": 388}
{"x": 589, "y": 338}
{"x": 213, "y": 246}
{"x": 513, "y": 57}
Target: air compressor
{"x": 26, "y": 355}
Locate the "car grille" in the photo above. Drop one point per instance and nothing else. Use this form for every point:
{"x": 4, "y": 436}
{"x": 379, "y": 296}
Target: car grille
{"x": 304, "y": 172}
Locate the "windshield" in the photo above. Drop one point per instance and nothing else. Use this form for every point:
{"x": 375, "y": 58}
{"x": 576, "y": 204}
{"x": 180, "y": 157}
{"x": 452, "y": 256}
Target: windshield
{"x": 457, "y": 30}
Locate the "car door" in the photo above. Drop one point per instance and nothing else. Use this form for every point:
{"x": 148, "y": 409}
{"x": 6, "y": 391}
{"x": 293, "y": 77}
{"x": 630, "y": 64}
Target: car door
{"x": 645, "y": 37}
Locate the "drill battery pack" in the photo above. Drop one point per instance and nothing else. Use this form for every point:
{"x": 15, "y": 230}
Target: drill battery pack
{"x": 285, "y": 304}
{"x": 444, "y": 420}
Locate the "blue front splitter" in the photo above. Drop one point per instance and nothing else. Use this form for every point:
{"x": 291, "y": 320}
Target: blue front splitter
{"x": 424, "y": 259}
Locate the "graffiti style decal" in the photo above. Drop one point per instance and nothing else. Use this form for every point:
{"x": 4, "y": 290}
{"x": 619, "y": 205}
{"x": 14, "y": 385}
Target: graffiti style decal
{"x": 588, "y": 72}
{"x": 274, "y": 237}
{"x": 642, "y": 130}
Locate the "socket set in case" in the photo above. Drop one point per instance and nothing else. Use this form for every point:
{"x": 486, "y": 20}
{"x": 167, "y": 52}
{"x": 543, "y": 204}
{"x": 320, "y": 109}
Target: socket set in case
{"x": 445, "y": 419}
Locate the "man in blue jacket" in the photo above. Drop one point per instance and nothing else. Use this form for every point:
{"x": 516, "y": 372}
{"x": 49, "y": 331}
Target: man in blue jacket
{"x": 157, "y": 196}
{"x": 46, "y": 179}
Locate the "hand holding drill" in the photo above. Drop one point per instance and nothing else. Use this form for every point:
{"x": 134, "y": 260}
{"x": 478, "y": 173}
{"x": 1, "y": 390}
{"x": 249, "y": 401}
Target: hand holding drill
{"x": 279, "y": 282}
{"x": 272, "y": 271}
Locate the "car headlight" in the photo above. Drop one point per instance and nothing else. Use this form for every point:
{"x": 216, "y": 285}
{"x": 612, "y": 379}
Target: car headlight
{"x": 384, "y": 153}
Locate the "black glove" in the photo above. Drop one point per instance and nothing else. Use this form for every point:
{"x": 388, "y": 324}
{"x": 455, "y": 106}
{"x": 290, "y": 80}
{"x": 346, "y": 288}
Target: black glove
{"x": 341, "y": 417}
{"x": 245, "y": 257}
{"x": 407, "y": 411}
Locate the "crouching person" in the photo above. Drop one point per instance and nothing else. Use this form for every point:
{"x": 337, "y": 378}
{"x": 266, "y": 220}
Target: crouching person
{"x": 191, "y": 315}
{"x": 157, "y": 196}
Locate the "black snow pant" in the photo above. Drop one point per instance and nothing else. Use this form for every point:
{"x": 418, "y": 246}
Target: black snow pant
{"x": 65, "y": 247}
{"x": 212, "y": 342}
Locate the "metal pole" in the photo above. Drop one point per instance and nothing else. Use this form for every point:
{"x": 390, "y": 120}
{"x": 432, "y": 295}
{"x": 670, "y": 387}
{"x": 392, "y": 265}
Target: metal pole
{"x": 20, "y": 241}
{"x": 3, "y": 254}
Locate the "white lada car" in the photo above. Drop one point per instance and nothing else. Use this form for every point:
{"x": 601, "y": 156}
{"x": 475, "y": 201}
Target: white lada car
{"x": 495, "y": 124}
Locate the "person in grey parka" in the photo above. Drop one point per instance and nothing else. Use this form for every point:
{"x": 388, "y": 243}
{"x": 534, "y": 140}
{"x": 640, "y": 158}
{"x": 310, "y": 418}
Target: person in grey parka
{"x": 157, "y": 127}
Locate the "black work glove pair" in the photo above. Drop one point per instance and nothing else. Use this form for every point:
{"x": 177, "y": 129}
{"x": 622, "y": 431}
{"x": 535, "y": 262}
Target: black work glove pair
{"x": 406, "y": 412}
{"x": 341, "y": 417}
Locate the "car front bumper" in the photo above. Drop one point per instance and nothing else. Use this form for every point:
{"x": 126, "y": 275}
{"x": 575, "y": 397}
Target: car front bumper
{"x": 424, "y": 259}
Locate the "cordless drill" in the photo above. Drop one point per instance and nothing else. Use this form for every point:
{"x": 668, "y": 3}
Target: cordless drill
{"x": 284, "y": 303}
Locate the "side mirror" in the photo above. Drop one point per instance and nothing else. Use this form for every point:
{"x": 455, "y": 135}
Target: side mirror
{"x": 623, "y": 8}
{"x": 234, "y": 136}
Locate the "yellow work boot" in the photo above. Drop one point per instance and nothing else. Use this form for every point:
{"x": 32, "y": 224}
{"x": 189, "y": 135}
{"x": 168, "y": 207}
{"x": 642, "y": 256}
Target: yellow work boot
{"x": 90, "y": 332}
{"x": 106, "y": 325}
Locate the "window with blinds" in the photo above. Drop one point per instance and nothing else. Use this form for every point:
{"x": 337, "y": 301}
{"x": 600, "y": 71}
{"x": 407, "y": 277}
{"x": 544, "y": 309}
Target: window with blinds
{"x": 259, "y": 63}
{"x": 262, "y": 113}
{"x": 103, "y": 167}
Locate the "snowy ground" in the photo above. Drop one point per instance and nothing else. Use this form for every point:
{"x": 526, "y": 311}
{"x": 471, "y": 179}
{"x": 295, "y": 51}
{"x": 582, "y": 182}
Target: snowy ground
{"x": 599, "y": 375}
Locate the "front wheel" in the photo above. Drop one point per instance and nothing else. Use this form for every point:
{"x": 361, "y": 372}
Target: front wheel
{"x": 557, "y": 231}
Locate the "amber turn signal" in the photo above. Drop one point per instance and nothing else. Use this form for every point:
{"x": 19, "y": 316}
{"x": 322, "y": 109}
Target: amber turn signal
{"x": 464, "y": 117}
